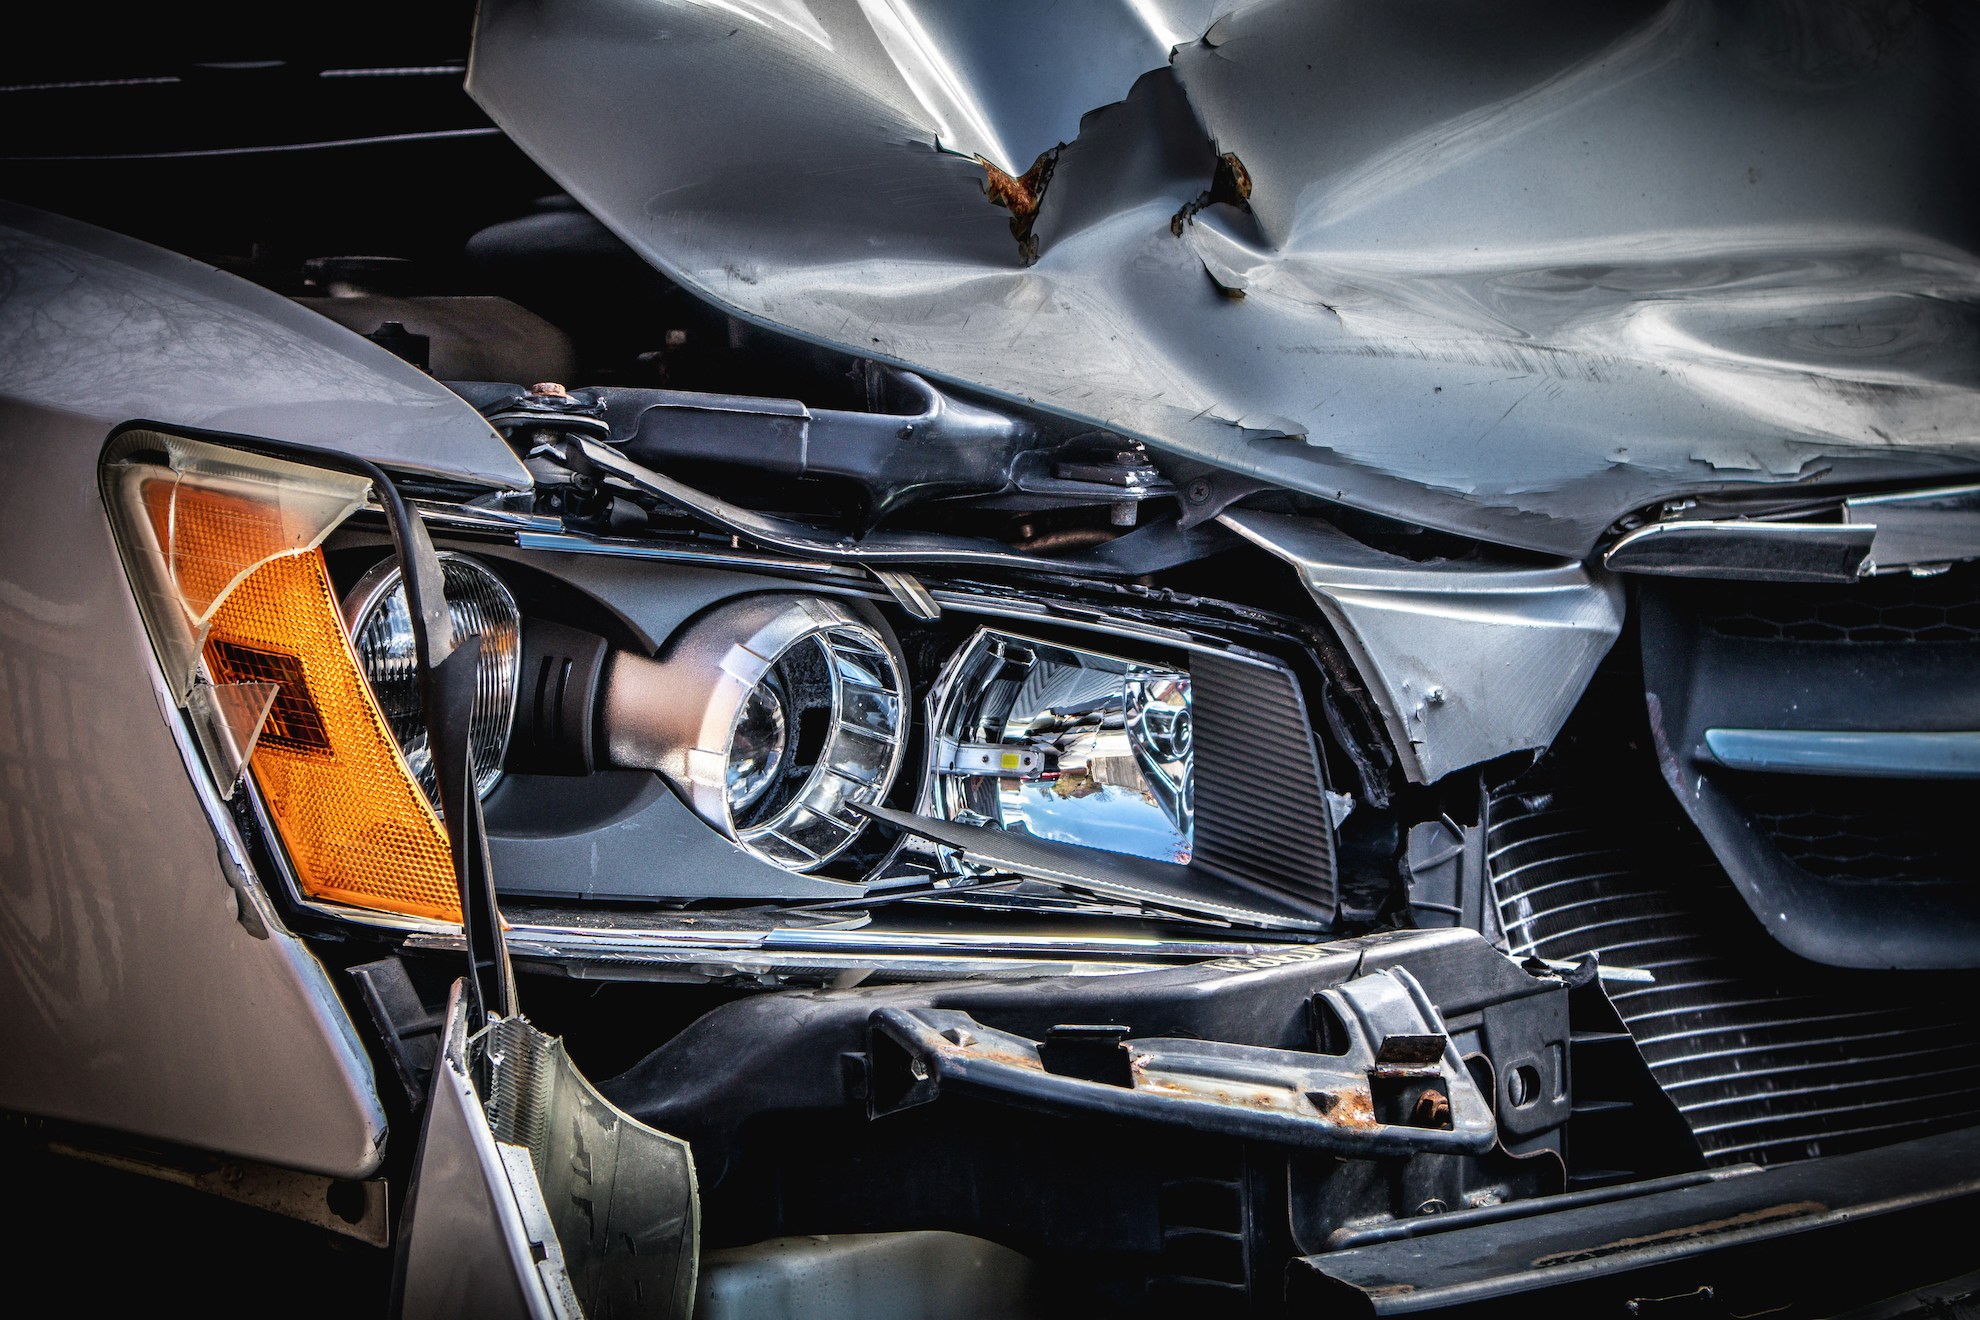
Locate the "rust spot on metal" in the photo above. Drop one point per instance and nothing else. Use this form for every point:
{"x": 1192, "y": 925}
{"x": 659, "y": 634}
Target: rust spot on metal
{"x": 1021, "y": 195}
{"x": 1791, "y": 1210}
{"x": 1230, "y": 184}
{"x": 1352, "y": 1109}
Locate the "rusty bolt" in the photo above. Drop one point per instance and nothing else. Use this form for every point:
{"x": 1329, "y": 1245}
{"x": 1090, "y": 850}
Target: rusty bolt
{"x": 549, "y": 389}
{"x": 1433, "y": 1110}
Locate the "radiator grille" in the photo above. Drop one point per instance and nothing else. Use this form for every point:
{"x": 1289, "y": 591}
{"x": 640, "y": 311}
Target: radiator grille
{"x": 1897, "y": 608}
{"x": 1769, "y": 1058}
{"x": 1888, "y": 831}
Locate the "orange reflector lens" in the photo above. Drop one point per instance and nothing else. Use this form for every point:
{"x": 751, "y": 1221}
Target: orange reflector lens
{"x": 357, "y": 828}
{"x": 355, "y": 824}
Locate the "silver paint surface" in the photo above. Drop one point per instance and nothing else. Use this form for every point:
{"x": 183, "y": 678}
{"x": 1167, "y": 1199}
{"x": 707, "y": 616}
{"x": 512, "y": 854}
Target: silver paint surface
{"x": 1510, "y": 271}
{"x": 1467, "y": 660}
{"x": 464, "y": 1249}
{"x": 146, "y": 983}
{"x": 109, "y": 329}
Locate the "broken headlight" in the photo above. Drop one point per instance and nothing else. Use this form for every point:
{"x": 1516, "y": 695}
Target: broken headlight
{"x": 223, "y": 548}
{"x": 1064, "y": 744}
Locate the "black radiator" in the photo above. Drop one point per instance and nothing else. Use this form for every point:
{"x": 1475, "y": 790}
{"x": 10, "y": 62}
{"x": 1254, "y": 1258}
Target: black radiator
{"x": 1770, "y": 1058}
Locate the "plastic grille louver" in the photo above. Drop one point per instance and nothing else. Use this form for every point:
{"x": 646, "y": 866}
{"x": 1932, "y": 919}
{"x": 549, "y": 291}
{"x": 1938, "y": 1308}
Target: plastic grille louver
{"x": 1261, "y": 804}
{"x": 1769, "y": 1058}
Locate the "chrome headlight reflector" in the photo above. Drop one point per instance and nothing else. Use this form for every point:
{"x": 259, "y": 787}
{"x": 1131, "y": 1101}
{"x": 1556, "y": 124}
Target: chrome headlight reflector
{"x": 774, "y": 716}
{"x": 381, "y": 633}
{"x": 1065, "y": 744}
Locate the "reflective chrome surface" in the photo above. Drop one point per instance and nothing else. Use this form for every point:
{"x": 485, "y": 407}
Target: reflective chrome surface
{"x": 1063, "y": 744}
{"x": 1745, "y": 550}
{"x": 774, "y": 716}
{"x": 1468, "y": 660}
{"x": 1919, "y": 528}
{"x": 381, "y": 634}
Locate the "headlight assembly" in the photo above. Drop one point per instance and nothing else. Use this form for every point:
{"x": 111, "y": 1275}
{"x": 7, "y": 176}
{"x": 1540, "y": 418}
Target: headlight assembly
{"x": 1065, "y": 744}
{"x": 774, "y": 716}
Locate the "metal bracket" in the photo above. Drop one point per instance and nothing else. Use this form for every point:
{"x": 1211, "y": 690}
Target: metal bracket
{"x": 1396, "y": 1085}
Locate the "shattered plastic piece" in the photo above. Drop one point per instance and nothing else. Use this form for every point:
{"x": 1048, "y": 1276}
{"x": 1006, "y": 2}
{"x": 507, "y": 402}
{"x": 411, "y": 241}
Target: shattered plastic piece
{"x": 228, "y": 718}
{"x": 178, "y": 592}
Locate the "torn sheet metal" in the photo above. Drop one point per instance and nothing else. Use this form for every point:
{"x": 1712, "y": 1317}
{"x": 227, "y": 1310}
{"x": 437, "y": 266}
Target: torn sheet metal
{"x": 1507, "y": 272}
{"x": 1468, "y": 659}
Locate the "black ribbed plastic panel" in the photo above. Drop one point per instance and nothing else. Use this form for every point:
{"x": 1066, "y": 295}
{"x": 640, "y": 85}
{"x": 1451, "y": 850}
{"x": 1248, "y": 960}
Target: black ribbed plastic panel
{"x": 1768, "y": 1057}
{"x": 1260, "y": 793}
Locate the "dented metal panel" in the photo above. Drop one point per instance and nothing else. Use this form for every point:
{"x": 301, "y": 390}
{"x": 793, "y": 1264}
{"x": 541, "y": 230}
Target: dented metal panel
{"x": 1468, "y": 659}
{"x": 1511, "y": 272}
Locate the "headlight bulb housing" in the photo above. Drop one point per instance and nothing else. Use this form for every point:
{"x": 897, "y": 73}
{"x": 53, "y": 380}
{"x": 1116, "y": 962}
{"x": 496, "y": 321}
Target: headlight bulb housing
{"x": 381, "y": 634}
{"x": 773, "y": 716}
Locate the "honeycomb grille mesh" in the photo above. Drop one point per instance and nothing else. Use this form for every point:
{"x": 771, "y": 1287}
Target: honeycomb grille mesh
{"x": 1875, "y": 830}
{"x": 1899, "y": 608}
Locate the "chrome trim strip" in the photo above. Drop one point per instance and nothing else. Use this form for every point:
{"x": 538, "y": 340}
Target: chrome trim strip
{"x": 1919, "y": 527}
{"x": 1886, "y": 754}
{"x": 1740, "y": 550}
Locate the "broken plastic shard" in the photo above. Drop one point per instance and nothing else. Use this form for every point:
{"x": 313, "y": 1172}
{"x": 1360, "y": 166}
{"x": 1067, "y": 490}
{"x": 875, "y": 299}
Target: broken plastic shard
{"x": 271, "y": 508}
{"x": 228, "y": 717}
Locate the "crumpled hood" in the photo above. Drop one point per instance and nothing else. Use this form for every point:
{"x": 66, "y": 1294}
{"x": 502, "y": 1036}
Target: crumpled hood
{"x": 1506, "y": 270}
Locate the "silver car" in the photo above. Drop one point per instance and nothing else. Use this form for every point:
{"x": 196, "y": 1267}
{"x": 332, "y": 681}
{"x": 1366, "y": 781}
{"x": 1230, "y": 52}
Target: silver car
{"x": 870, "y": 658}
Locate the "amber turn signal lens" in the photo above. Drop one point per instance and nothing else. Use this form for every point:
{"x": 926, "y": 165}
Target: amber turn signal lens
{"x": 357, "y": 827}
{"x": 224, "y": 551}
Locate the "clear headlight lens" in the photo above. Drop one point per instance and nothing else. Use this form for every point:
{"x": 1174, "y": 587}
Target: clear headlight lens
{"x": 774, "y": 716}
{"x": 381, "y": 632}
{"x": 1064, "y": 744}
